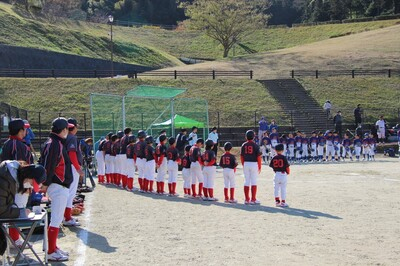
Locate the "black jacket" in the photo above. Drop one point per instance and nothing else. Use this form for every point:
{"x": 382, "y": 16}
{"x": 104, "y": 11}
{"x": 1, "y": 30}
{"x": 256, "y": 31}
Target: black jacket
{"x": 54, "y": 158}
{"x": 8, "y": 189}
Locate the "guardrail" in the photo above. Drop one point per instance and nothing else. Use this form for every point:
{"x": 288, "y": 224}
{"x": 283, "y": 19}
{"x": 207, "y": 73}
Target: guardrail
{"x": 351, "y": 73}
{"x": 79, "y": 73}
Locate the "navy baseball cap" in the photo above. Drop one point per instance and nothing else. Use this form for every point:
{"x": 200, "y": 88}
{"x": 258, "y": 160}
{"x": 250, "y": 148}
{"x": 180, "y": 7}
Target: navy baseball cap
{"x": 60, "y": 123}
{"x": 279, "y": 147}
{"x": 73, "y": 122}
{"x": 16, "y": 125}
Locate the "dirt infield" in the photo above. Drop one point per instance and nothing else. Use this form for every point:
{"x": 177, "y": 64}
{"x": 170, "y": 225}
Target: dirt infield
{"x": 345, "y": 213}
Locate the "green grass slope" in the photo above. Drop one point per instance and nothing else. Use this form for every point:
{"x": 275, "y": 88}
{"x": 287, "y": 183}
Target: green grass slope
{"x": 236, "y": 100}
{"x": 20, "y": 31}
{"x": 378, "y": 96}
{"x": 152, "y": 46}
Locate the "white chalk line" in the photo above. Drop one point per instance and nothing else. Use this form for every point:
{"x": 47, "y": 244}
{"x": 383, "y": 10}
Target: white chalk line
{"x": 388, "y": 179}
{"x": 83, "y": 235}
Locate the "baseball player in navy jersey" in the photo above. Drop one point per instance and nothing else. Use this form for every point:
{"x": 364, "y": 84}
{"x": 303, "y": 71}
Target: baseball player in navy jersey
{"x": 329, "y": 145}
{"x": 162, "y": 167}
{"x": 76, "y": 160}
{"x": 209, "y": 170}
{"x": 250, "y": 157}
{"x": 130, "y": 167}
{"x": 298, "y": 142}
{"x": 107, "y": 157}
{"x": 54, "y": 158}
{"x": 139, "y": 158}
{"x": 195, "y": 167}
{"x": 291, "y": 144}
{"x": 365, "y": 147}
{"x": 114, "y": 150}
{"x": 281, "y": 168}
{"x": 336, "y": 144}
{"x": 357, "y": 147}
{"x": 124, "y": 161}
{"x": 14, "y": 148}
{"x": 173, "y": 162}
{"x": 284, "y": 141}
{"x": 101, "y": 166}
{"x": 228, "y": 163}
{"x": 346, "y": 144}
{"x": 313, "y": 146}
{"x": 186, "y": 172}
{"x": 150, "y": 165}
{"x": 372, "y": 147}
{"x": 321, "y": 145}
{"x": 119, "y": 159}
{"x": 274, "y": 136}
{"x": 304, "y": 147}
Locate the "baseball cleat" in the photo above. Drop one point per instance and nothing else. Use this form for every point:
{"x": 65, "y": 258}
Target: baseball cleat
{"x": 55, "y": 256}
{"x": 284, "y": 204}
{"x": 227, "y": 201}
{"x": 212, "y": 199}
{"x": 247, "y": 202}
{"x": 71, "y": 222}
{"x": 233, "y": 201}
{"x": 277, "y": 204}
{"x": 62, "y": 252}
{"x": 255, "y": 202}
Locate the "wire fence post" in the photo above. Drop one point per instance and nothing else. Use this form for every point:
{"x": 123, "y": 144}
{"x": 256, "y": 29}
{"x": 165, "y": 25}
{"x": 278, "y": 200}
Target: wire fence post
{"x": 352, "y": 73}
{"x": 251, "y": 74}
{"x": 84, "y": 124}
{"x": 389, "y": 73}
{"x": 292, "y": 74}
{"x": 40, "y": 131}
{"x": 213, "y": 74}
{"x": 316, "y": 74}
{"x": 175, "y": 74}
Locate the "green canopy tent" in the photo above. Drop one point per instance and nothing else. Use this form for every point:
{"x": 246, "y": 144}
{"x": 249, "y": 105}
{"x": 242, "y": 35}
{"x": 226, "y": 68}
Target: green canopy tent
{"x": 179, "y": 122}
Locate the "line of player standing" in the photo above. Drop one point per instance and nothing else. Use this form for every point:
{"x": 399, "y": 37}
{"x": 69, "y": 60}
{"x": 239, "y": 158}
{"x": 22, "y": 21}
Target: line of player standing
{"x": 319, "y": 147}
{"x": 119, "y": 155}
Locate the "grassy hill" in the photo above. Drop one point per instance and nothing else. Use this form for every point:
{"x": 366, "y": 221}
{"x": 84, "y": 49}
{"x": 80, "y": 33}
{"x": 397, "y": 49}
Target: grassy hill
{"x": 236, "y": 100}
{"x": 379, "y": 96}
{"x": 152, "y": 46}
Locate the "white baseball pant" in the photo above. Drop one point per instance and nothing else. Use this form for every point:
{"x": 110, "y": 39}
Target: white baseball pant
{"x": 336, "y": 148}
{"x": 346, "y": 150}
{"x": 59, "y": 197}
{"x": 119, "y": 163}
{"x": 130, "y": 168}
{"x": 280, "y": 182}
{"x": 366, "y": 150}
{"x": 290, "y": 152}
{"x": 149, "y": 171}
{"x": 229, "y": 177}
{"x": 314, "y": 150}
{"x": 162, "y": 171}
{"x": 141, "y": 164}
{"x": 108, "y": 164}
{"x": 186, "y": 178}
{"x": 381, "y": 133}
{"x": 101, "y": 167}
{"x": 372, "y": 150}
{"x": 305, "y": 151}
{"x": 172, "y": 171}
{"x": 209, "y": 173}
{"x": 197, "y": 174}
{"x": 73, "y": 187}
{"x": 250, "y": 170}
{"x": 320, "y": 150}
{"x": 357, "y": 150}
{"x": 298, "y": 151}
{"x": 330, "y": 150}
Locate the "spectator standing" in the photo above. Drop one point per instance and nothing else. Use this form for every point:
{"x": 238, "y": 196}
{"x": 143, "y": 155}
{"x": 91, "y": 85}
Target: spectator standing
{"x": 29, "y": 134}
{"x": 381, "y": 129}
{"x": 181, "y": 141}
{"x": 193, "y": 136}
{"x": 214, "y": 137}
{"x": 162, "y": 133}
{"x": 273, "y": 125}
{"x": 262, "y": 128}
{"x": 337, "y": 121}
{"x": 327, "y": 108}
{"x": 357, "y": 115}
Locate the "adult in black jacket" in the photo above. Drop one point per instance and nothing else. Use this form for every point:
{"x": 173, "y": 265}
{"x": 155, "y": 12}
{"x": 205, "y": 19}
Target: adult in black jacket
{"x": 55, "y": 159}
{"x": 15, "y": 177}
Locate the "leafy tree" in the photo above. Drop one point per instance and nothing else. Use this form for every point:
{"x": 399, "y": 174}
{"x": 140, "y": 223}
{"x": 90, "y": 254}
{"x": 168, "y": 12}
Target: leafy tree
{"x": 227, "y": 21}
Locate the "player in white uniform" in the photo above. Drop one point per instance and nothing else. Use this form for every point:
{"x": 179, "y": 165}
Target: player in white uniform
{"x": 193, "y": 136}
{"x": 357, "y": 147}
{"x": 209, "y": 171}
{"x": 372, "y": 147}
{"x": 321, "y": 145}
{"x": 329, "y": 145}
{"x": 381, "y": 128}
{"x": 365, "y": 147}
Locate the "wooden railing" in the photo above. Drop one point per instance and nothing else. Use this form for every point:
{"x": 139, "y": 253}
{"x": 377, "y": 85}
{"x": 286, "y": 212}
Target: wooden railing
{"x": 350, "y": 73}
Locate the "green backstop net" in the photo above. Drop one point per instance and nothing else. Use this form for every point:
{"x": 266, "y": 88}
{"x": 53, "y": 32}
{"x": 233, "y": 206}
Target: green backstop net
{"x": 150, "y": 108}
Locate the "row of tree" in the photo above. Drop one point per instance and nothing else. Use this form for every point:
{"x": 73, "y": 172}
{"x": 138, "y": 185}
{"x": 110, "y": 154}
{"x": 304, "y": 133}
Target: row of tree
{"x": 280, "y": 11}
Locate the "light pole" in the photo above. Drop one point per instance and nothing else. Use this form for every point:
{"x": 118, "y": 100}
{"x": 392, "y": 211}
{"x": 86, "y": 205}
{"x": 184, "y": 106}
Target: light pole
{"x": 111, "y": 20}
